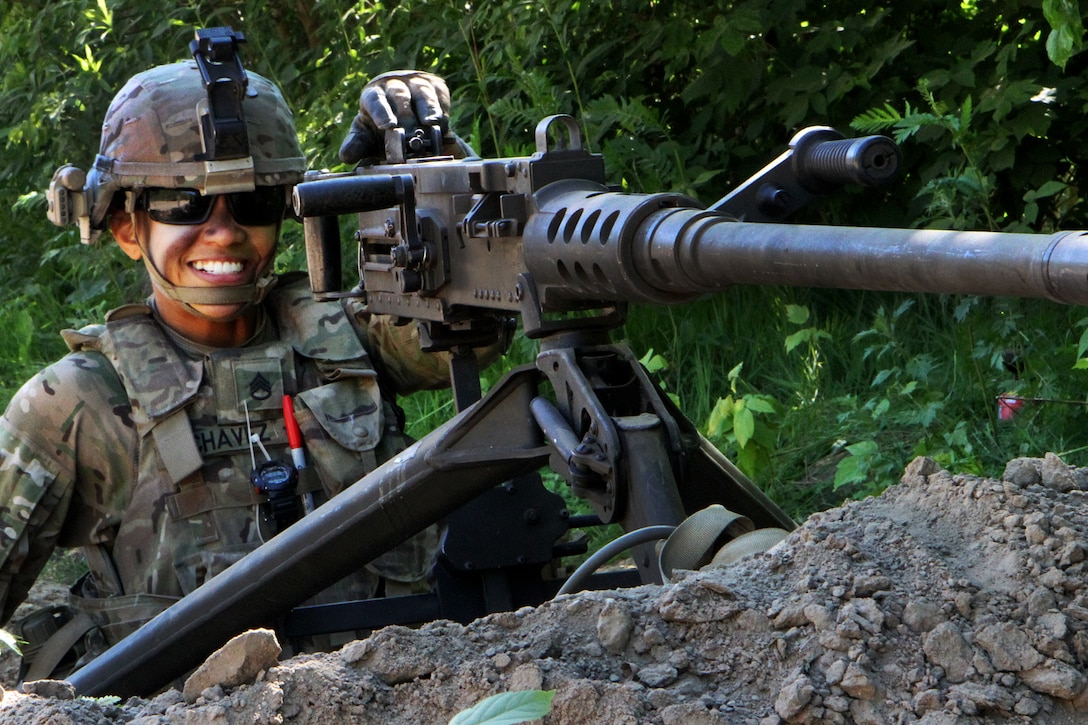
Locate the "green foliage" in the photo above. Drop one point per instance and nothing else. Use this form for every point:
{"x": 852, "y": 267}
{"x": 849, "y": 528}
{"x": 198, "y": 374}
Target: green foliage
{"x": 961, "y": 198}
{"x": 507, "y": 708}
{"x": 9, "y": 640}
{"x": 1067, "y": 30}
{"x": 64, "y": 566}
{"x": 857, "y": 468}
{"x": 745, "y": 421}
{"x": 838, "y": 389}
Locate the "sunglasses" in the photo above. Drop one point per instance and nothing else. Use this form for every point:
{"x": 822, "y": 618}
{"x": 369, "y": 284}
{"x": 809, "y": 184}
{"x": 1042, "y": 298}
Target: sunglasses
{"x": 264, "y": 206}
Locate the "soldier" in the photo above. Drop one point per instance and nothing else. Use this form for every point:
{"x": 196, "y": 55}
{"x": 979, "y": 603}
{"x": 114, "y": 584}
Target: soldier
{"x": 139, "y": 446}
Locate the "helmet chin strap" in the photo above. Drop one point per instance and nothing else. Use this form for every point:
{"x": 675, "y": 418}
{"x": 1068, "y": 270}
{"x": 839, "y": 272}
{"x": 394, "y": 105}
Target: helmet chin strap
{"x": 248, "y": 295}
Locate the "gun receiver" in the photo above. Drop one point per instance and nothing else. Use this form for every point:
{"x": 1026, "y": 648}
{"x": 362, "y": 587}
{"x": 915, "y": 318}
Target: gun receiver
{"x": 544, "y": 234}
{"x": 460, "y": 246}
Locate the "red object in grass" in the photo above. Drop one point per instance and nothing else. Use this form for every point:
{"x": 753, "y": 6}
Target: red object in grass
{"x": 1008, "y": 405}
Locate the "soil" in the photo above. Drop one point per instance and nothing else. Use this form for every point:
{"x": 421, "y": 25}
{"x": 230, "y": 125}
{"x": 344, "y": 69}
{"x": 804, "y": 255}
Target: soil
{"x": 949, "y": 598}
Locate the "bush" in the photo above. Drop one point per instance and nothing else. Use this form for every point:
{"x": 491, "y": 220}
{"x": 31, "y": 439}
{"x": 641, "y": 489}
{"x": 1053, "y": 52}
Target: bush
{"x": 682, "y": 96}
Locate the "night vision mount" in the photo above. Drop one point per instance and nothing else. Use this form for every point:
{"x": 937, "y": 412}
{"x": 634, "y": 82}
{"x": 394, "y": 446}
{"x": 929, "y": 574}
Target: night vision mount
{"x": 223, "y": 127}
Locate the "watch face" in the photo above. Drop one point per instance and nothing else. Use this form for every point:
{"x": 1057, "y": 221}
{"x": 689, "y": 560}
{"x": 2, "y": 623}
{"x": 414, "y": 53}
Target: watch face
{"x": 273, "y": 476}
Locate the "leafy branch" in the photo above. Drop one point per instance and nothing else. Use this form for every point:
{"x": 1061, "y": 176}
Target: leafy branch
{"x": 1067, "y": 31}
{"x": 969, "y": 186}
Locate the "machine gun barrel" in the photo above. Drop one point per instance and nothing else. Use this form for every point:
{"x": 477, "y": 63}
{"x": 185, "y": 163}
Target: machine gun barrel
{"x": 585, "y": 244}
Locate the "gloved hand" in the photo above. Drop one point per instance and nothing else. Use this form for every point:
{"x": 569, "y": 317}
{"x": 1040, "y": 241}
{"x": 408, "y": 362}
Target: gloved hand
{"x": 406, "y": 98}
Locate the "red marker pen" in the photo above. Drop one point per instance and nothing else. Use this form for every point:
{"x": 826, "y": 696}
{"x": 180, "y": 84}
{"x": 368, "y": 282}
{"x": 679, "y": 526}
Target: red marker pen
{"x": 294, "y": 441}
{"x": 294, "y": 433}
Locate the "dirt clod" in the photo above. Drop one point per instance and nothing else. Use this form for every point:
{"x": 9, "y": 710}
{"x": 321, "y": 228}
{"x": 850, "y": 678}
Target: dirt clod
{"x": 948, "y": 599}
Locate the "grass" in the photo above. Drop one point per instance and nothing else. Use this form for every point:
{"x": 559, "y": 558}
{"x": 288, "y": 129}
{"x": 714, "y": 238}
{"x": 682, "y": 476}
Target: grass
{"x": 903, "y": 375}
{"x": 65, "y": 566}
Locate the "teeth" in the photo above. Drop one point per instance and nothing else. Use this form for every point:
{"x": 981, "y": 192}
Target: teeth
{"x": 218, "y": 267}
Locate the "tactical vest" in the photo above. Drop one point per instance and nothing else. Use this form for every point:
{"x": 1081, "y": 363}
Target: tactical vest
{"x": 193, "y": 510}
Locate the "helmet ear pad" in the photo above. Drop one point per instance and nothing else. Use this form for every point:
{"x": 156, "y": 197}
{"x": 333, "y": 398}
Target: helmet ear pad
{"x": 102, "y": 197}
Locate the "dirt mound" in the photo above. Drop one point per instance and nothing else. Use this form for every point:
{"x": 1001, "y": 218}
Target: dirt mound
{"x": 949, "y": 598}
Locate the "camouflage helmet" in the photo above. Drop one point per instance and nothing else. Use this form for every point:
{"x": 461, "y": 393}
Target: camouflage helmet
{"x": 151, "y": 137}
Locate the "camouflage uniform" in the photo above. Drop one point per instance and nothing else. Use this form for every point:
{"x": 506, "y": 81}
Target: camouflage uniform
{"x": 134, "y": 447}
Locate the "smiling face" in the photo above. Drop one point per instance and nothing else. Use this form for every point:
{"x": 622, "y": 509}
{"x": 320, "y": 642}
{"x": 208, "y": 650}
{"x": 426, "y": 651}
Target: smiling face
{"x": 219, "y": 252}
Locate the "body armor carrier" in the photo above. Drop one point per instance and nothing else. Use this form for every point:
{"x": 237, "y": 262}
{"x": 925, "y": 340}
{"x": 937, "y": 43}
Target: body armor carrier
{"x": 193, "y": 510}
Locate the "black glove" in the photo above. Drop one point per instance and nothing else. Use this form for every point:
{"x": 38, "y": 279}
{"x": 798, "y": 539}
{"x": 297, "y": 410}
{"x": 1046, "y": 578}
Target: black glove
{"x": 409, "y": 99}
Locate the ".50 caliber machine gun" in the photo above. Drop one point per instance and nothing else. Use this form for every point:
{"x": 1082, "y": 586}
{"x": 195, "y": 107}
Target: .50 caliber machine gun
{"x": 461, "y": 246}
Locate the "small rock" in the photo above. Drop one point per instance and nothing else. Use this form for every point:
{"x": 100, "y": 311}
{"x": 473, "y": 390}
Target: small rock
{"x": 236, "y": 663}
{"x": 1056, "y": 474}
{"x": 690, "y": 713}
{"x": 1054, "y": 578}
{"x": 794, "y": 697}
{"x": 866, "y": 586}
{"x": 1034, "y": 534}
{"x": 946, "y": 647}
{"x": 1056, "y": 679}
{"x": 857, "y": 683}
{"x": 1022, "y": 472}
{"x": 527, "y": 677}
{"x": 820, "y": 617}
{"x": 679, "y": 659}
{"x": 792, "y": 615}
{"x": 698, "y": 600}
{"x": 921, "y": 615}
{"x": 920, "y": 467}
{"x": 614, "y": 626}
{"x": 1051, "y": 630}
{"x": 56, "y": 689}
{"x": 837, "y": 703}
{"x": 1041, "y": 601}
{"x": 212, "y": 694}
{"x": 927, "y": 701}
{"x": 652, "y": 637}
{"x": 1009, "y": 647}
{"x": 1018, "y": 501}
{"x": 864, "y": 612}
{"x": 354, "y": 651}
{"x": 657, "y": 675}
{"x": 1072, "y": 553}
{"x": 1026, "y": 706}
{"x": 985, "y": 697}
{"x": 835, "y": 672}
{"x": 387, "y": 655}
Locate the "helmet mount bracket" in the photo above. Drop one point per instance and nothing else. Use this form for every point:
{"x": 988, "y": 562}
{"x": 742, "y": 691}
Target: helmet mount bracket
{"x": 223, "y": 125}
